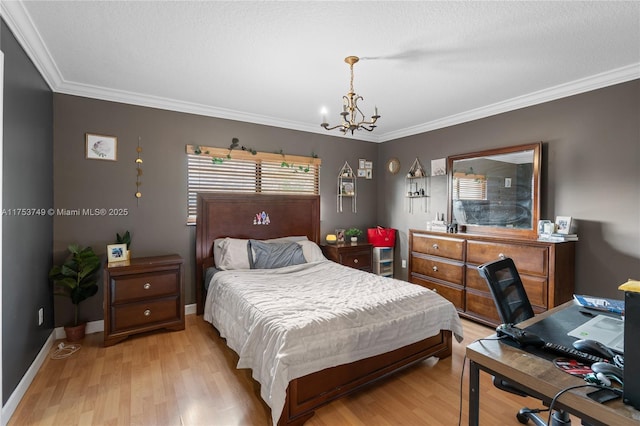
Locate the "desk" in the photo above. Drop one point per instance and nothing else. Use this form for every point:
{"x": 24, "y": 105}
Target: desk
{"x": 541, "y": 379}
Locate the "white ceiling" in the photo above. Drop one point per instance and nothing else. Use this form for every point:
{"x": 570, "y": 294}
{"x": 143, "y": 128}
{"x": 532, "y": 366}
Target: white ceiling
{"x": 425, "y": 65}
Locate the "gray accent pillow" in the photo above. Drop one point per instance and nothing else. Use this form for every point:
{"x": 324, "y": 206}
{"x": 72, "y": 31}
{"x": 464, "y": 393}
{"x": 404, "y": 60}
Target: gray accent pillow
{"x": 275, "y": 255}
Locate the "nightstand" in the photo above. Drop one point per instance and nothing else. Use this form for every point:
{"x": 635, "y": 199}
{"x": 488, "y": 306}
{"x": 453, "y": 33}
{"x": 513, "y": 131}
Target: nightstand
{"x": 356, "y": 255}
{"x": 143, "y": 294}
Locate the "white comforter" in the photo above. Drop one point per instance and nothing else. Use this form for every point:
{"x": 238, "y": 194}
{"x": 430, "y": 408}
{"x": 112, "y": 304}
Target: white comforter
{"x": 289, "y": 322}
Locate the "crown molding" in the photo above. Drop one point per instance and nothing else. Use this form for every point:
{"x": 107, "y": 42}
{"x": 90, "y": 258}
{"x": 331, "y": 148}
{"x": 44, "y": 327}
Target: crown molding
{"x": 22, "y": 27}
{"x": 29, "y": 38}
{"x": 598, "y": 81}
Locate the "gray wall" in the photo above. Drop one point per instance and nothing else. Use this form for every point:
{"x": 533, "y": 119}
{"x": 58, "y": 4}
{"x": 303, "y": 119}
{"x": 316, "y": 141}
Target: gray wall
{"x": 26, "y": 240}
{"x": 158, "y": 222}
{"x": 591, "y": 157}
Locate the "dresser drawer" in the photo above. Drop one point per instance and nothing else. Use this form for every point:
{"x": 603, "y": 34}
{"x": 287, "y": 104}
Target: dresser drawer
{"x": 436, "y": 268}
{"x": 453, "y": 294}
{"x": 532, "y": 260}
{"x": 536, "y": 287}
{"x": 451, "y": 248}
{"x": 145, "y": 313}
{"x": 141, "y": 286}
{"x": 482, "y": 306}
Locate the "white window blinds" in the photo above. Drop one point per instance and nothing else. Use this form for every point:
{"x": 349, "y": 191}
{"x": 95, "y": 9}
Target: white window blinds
{"x": 469, "y": 187}
{"x": 246, "y": 173}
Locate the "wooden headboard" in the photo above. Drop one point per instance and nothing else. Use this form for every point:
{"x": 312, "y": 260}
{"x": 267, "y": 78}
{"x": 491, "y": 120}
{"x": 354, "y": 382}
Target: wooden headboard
{"x": 222, "y": 215}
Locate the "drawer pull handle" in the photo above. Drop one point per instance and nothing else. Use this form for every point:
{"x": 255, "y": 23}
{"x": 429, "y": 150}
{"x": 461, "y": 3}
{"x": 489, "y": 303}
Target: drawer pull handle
{"x": 355, "y": 260}
{"x": 435, "y": 268}
{"x": 435, "y": 246}
{"x": 502, "y": 256}
{"x": 146, "y": 286}
{"x": 147, "y": 312}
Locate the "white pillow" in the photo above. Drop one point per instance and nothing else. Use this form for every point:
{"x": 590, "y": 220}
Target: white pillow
{"x": 311, "y": 251}
{"x": 232, "y": 254}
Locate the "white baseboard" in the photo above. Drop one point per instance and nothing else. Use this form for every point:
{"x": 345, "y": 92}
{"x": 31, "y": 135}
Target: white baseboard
{"x": 16, "y": 396}
{"x": 58, "y": 333}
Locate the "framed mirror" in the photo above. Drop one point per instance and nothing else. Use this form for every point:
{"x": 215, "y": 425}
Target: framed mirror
{"x": 496, "y": 192}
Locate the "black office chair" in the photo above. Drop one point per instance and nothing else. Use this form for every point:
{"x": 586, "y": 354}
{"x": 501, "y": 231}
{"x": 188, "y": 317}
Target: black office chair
{"x": 513, "y": 307}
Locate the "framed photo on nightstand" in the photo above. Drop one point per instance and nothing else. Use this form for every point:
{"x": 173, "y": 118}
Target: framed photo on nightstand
{"x": 117, "y": 253}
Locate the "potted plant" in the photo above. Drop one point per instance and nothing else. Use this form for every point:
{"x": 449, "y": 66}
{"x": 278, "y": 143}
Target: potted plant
{"x": 76, "y": 278}
{"x": 125, "y": 239}
{"x": 353, "y": 233}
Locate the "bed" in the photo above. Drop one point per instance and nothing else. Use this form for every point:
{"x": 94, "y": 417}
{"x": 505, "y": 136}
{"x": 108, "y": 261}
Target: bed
{"x": 301, "y": 377}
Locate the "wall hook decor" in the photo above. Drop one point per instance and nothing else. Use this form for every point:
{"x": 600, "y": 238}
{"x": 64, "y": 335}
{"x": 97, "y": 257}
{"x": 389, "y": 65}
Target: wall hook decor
{"x": 138, "y": 172}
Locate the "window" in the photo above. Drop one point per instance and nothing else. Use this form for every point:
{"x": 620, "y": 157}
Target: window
{"x": 469, "y": 187}
{"x": 243, "y": 172}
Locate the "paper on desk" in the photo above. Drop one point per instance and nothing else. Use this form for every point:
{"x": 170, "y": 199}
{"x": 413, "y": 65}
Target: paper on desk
{"x": 606, "y": 330}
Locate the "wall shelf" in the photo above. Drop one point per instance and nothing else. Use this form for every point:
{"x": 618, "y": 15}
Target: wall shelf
{"x": 346, "y": 190}
{"x": 416, "y": 186}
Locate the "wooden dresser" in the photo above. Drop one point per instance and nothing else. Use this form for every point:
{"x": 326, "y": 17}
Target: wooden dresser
{"x": 447, "y": 263}
{"x": 355, "y": 255}
{"x": 143, "y": 294}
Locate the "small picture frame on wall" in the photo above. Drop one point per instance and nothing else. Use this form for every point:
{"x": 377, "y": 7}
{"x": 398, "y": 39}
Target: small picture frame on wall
{"x": 369, "y": 174}
{"x": 117, "y": 253}
{"x": 563, "y": 224}
{"x": 439, "y": 167}
{"x": 362, "y": 173}
{"x": 368, "y": 164}
{"x": 101, "y": 147}
{"x": 361, "y": 163}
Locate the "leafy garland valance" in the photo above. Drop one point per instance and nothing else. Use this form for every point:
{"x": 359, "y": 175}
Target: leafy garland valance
{"x": 296, "y": 162}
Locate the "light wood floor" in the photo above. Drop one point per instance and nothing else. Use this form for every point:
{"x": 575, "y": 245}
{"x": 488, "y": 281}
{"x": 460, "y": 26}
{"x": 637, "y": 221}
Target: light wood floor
{"x": 189, "y": 378}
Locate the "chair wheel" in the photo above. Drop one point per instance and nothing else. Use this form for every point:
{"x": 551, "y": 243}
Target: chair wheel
{"x": 522, "y": 417}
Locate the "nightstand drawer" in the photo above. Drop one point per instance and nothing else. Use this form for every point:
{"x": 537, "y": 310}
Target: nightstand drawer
{"x": 355, "y": 255}
{"x": 144, "y": 313}
{"x": 143, "y": 286}
{"x": 358, "y": 260}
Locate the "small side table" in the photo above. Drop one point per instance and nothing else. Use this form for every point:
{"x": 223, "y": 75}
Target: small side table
{"x": 143, "y": 294}
{"x": 355, "y": 255}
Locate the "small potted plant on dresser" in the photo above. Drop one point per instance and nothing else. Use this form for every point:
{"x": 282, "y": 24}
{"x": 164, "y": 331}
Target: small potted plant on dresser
{"x": 125, "y": 239}
{"x": 76, "y": 278}
{"x": 353, "y": 234}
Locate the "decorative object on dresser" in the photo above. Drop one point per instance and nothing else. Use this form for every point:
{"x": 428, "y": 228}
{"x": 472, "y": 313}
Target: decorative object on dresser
{"x": 145, "y": 294}
{"x": 358, "y": 255}
{"x": 125, "y": 238}
{"x": 447, "y": 263}
{"x": 77, "y": 279}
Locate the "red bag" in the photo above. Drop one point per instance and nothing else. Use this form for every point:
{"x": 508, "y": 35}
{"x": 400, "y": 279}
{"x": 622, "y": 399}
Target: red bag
{"x": 382, "y": 237}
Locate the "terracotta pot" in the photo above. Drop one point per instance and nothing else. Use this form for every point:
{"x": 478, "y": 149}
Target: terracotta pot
{"x": 75, "y": 333}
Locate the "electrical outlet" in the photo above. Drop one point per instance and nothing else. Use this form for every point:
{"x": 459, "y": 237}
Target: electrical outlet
{"x": 40, "y": 316}
{"x": 404, "y": 263}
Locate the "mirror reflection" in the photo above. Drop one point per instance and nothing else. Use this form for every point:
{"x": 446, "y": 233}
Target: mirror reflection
{"x": 497, "y": 188}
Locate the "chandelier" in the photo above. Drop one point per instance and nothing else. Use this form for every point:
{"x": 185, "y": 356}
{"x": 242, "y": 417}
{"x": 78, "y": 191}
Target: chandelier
{"x": 352, "y": 118}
